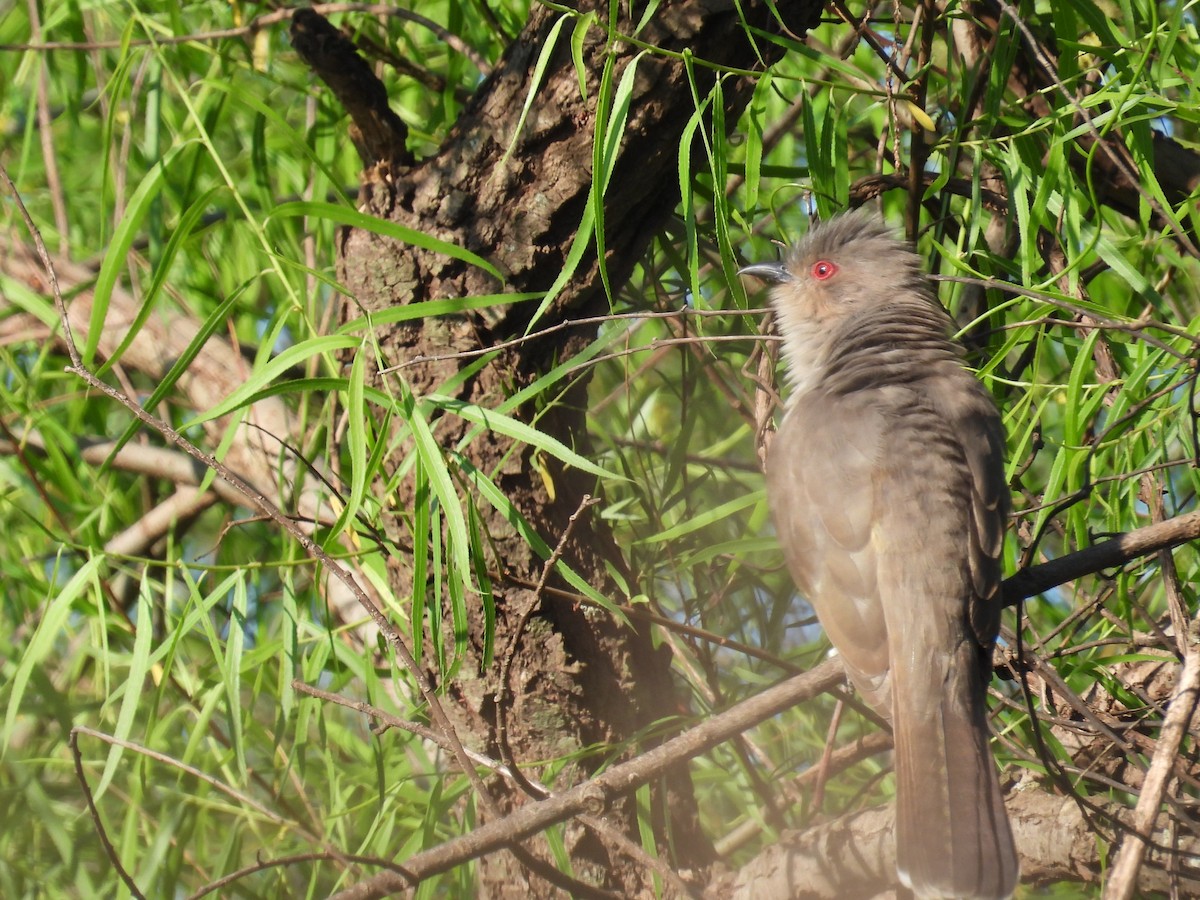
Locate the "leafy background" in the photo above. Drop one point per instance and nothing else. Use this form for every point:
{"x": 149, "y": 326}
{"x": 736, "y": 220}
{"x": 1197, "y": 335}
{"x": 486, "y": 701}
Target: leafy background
{"x": 206, "y": 174}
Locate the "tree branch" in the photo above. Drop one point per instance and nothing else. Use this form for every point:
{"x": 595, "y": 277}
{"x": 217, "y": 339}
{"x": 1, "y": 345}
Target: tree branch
{"x": 856, "y": 856}
{"x": 1123, "y": 879}
{"x": 379, "y": 134}
{"x": 595, "y": 795}
{"x": 1105, "y": 555}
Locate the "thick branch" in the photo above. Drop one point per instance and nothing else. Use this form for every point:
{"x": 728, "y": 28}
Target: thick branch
{"x": 1106, "y": 555}
{"x": 855, "y": 855}
{"x": 594, "y": 796}
{"x": 379, "y": 134}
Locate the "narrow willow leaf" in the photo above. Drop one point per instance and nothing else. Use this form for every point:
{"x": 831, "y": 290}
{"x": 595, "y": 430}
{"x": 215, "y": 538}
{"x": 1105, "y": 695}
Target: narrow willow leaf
{"x": 578, "y": 36}
{"x": 262, "y": 376}
{"x": 697, "y": 521}
{"x": 535, "y": 81}
{"x": 180, "y": 234}
{"x": 116, "y": 256}
{"x": 47, "y": 635}
{"x": 356, "y": 445}
{"x": 135, "y": 684}
{"x": 344, "y": 215}
{"x": 519, "y": 431}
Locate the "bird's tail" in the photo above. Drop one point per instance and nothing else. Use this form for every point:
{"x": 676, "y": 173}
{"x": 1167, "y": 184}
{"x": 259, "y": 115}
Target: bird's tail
{"x": 952, "y": 833}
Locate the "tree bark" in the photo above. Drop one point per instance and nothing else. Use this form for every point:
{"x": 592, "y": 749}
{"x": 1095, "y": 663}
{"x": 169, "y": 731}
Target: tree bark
{"x": 578, "y": 678}
{"x": 517, "y": 200}
{"x": 854, "y": 856}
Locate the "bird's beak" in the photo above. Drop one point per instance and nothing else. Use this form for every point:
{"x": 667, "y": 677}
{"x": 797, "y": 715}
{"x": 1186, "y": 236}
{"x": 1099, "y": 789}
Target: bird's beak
{"x": 771, "y": 273}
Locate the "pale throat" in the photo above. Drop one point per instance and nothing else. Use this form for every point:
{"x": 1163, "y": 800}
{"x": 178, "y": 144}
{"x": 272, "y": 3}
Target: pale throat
{"x": 805, "y": 342}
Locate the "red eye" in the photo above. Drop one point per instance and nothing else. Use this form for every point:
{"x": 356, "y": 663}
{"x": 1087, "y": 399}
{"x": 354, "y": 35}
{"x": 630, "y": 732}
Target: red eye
{"x": 823, "y": 269}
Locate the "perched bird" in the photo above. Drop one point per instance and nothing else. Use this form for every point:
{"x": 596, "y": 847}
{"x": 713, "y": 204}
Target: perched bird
{"x": 887, "y": 489}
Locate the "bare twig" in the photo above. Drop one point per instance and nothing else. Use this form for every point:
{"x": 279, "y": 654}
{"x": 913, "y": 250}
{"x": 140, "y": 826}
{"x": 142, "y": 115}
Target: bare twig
{"x": 1122, "y": 879}
{"x": 1137, "y": 328}
{"x": 396, "y": 722}
{"x": 839, "y": 760}
{"x": 109, "y": 850}
{"x": 264, "y": 864}
{"x": 862, "y": 29}
{"x": 242, "y": 799}
{"x": 581, "y": 322}
{"x": 822, "y": 767}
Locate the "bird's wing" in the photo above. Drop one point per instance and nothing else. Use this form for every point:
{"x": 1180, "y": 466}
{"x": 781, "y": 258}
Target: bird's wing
{"x": 940, "y": 517}
{"x": 895, "y": 495}
{"x": 971, "y": 413}
{"x": 823, "y": 497}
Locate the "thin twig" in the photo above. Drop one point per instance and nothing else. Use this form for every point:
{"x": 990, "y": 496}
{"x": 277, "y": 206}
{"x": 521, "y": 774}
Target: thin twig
{"x": 577, "y": 323}
{"x": 862, "y": 30}
{"x": 822, "y": 767}
{"x": 1137, "y": 328}
{"x": 1122, "y": 880}
{"x": 243, "y": 800}
{"x": 264, "y": 864}
{"x": 109, "y": 850}
{"x": 391, "y": 721}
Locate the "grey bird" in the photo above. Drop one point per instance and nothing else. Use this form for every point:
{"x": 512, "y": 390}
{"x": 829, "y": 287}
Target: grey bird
{"x": 886, "y": 485}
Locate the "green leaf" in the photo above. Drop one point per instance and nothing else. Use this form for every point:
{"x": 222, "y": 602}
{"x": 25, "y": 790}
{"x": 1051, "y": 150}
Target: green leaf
{"x": 135, "y": 683}
{"x": 458, "y": 544}
{"x": 578, "y": 36}
{"x": 478, "y": 554}
{"x": 356, "y": 445}
{"x": 488, "y": 490}
{"x": 420, "y": 557}
{"x": 116, "y": 256}
{"x": 698, "y": 521}
{"x": 179, "y": 236}
{"x": 231, "y": 670}
{"x": 48, "y": 634}
{"x": 343, "y": 215}
{"x": 518, "y": 431}
{"x": 263, "y": 375}
{"x": 535, "y": 81}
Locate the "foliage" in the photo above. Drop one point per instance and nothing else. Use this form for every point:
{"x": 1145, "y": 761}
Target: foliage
{"x": 1092, "y": 365}
{"x": 206, "y": 175}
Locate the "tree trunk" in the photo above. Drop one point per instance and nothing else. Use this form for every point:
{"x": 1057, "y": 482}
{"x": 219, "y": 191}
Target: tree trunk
{"x": 578, "y": 677}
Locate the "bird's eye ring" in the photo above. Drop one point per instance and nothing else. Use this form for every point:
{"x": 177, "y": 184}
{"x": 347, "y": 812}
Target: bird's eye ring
{"x": 823, "y": 269}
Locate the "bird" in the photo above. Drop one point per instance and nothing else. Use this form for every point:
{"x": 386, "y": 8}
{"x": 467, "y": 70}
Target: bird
{"x": 886, "y": 486}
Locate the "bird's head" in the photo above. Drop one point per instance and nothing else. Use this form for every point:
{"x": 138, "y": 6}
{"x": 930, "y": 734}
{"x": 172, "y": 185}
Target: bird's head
{"x": 840, "y": 265}
{"x": 842, "y": 271}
